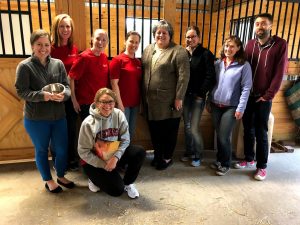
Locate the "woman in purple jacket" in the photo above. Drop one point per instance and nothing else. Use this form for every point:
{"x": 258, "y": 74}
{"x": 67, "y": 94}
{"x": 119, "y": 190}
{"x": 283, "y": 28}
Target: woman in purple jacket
{"x": 229, "y": 98}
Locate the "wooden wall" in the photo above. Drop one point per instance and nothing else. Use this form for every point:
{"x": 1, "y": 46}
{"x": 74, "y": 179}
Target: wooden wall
{"x": 14, "y": 141}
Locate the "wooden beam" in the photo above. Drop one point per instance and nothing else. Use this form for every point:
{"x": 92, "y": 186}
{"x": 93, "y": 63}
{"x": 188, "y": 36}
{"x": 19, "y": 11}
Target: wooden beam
{"x": 169, "y": 9}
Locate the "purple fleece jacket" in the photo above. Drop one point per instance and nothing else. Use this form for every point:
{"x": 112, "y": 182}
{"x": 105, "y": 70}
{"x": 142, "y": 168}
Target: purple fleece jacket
{"x": 268, "y": 63}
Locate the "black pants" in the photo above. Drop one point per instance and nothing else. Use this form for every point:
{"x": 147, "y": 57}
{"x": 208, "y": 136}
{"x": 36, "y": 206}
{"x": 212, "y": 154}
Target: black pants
{"x": 111, "y": 182}
{"x": 164, "y": 137}
{"x": 255, "y": 121}
{"x": 84, "y": 111}
{"x": 71, "y": 117}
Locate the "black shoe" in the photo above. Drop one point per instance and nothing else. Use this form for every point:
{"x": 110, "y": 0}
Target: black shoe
{"x": 68, "y": 185}
{"x": 162, "y": 165}
{"x": 56, "y": 190}
{"x": 222, "y": 170}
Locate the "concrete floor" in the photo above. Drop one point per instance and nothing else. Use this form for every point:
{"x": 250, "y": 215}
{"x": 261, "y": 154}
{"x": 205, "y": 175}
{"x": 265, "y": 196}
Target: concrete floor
{"x": 179, "y": 195}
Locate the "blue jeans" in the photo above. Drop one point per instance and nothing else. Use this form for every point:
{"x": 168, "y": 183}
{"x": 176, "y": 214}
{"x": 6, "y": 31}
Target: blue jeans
{"x": 192, "y": 111}
{"x": 41, "y": 133}
{"x": 131, "y": 115}
{"x": 224, "y": 121}
{"x": 255, "y": 121}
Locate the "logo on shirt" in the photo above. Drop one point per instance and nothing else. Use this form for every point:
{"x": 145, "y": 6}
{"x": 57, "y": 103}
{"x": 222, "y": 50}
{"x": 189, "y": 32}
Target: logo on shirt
{"x": 110, "y": 132}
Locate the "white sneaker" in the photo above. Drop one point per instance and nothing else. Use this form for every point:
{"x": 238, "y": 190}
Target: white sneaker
{"x": 93, "y": 187}
{"x": 131, "y": 191}
{"x": 196, "y": 163}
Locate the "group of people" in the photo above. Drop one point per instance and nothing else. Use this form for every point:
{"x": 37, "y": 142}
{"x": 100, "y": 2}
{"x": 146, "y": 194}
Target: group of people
{"x": 168, "y": 82}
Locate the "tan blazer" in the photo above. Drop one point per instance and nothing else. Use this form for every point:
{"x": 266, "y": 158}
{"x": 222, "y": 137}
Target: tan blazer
{"x": 165, "y": 82}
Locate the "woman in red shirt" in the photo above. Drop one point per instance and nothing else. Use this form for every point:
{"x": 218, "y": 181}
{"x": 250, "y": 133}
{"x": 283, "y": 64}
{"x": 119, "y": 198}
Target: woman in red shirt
{"x": 125, "y": 77}
{"x": 64, "y": 49}
{"x": 89, "y": 73}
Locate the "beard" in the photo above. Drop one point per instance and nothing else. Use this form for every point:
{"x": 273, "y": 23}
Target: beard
{"x": 263, "y": 34}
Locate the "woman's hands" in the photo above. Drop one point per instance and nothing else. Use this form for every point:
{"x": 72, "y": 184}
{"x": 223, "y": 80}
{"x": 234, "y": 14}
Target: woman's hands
{"x": 111, "y": 164}
{"x": 238, "y": 115}
{"x": 53, "y": 97}
{"x": 76, "y": 105}
{"x": 178, "y": 104}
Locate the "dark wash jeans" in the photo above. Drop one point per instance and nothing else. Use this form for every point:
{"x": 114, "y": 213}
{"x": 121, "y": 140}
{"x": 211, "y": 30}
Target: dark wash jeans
{"x": 255, "y": 121}
{"x": 224, "y": 122}
{"x": 192, "y": 112}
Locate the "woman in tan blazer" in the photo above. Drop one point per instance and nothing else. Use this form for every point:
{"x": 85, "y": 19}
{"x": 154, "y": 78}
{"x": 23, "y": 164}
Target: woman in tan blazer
{"x": 165, "y": 78}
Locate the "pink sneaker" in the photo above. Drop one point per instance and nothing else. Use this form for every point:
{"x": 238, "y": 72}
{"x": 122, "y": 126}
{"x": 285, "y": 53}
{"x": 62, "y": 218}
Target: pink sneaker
{"x": 260, "y": 174}
{"x": 243, "y": 164}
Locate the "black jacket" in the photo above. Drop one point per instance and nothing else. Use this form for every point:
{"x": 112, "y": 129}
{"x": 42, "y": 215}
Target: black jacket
{"x": 202, "y": 72}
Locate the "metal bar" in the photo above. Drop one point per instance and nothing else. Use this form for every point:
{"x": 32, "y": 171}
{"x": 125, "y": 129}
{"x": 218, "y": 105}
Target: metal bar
{"x": 253, "y": 12}
{"x": 210, "y": 22}
{"x": 290, "y": 25}
{"x": 1, "y": 33}
{"x": 108, "y": 27}
{"x": 238, "y": 22}
{"x": 49, "y": 13}
{"x": 99, "y": 13}
{"x": 260, "y": 7}
{"x": 142, "y": 34}
{"x": 30, "y": 16}
{"x": 267, "y": 6}
{"x": 232, "y": 15}
{"x": 189, "y": 17}
{"x": 159, "y": 3}
{"x": 284, "y": 20}
{"x": 217, "y": 28}
{"x": 40, "y": 14}
{"x": 117, "y": 20}
{"x": 203, "y": 21}
{"x": 298, "y": 50}
{"x": 295, "y": 32}
{"x": 21, "y": 27}
{"x": 91, "y": 19}
{"x": 278, "y": 18}
{"x": 246, "y": 25}
{"x": 126, "y": 13}
{"x": 197, "y": 13}
{"x": 181, "y": 19}
{"x": 134, "y": 14}
{"x": 244, "y": 32}
{"x": 225, "y": 16}
{"x": 11, "y": 28}
{"x": 151, "y": 4}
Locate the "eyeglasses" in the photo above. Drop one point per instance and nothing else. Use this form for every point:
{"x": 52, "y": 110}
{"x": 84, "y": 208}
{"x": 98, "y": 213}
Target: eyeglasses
{"x": 191, "y": 37}
{"x": 111, "y": 102}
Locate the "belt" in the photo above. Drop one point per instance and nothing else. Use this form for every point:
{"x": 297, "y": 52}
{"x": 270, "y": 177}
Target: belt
{"x": 220, "y": 105}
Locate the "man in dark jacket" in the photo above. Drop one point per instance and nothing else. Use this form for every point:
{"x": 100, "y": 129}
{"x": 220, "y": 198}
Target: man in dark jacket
{"x": 202, "y": 80}
{"x": 268, "y": 58}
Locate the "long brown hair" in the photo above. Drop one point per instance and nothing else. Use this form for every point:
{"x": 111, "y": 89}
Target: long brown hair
{"x": 55, "y": 33}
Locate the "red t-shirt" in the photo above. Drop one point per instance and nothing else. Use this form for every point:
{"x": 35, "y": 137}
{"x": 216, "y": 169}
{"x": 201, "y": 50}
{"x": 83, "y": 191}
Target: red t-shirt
{"x": 129, "y": 73}
{"x": 90, "y": 73}
{"x": 65, "y": 54}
